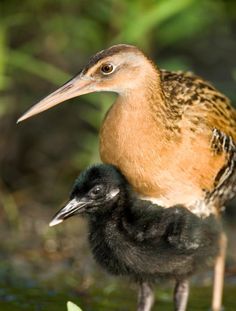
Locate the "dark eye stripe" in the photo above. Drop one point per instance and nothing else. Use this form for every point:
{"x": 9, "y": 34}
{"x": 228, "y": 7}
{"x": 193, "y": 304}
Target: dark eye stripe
{"x": 108, "y": 52}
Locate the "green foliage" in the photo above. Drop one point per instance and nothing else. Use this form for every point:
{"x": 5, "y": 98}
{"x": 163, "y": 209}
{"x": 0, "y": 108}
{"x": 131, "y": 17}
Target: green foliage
{"x": 37, "y": 67}
{"x": 149, "y": 16}
{"x": 72, "y": 307}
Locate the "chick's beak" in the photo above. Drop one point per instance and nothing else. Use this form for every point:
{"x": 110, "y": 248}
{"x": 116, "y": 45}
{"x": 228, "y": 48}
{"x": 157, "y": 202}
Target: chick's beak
{"x": 74, "y": 206}
{"x": 77, "y": 86}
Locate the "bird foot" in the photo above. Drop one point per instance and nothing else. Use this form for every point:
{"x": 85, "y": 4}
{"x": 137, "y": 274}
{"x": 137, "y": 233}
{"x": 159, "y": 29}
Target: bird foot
{"x": 181, "y": 294}
{"x": 145, "y": 297}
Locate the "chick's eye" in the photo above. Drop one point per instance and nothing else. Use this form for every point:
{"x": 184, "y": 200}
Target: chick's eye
{"x": 107, "y": 69}
{"x": 96, "y": 191}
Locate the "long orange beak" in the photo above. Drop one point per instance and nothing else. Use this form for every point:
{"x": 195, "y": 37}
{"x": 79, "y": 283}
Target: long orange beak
{"x": 77, "y": 86}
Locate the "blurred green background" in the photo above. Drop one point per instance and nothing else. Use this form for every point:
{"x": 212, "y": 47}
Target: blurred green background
{"x": 43, "y": 44}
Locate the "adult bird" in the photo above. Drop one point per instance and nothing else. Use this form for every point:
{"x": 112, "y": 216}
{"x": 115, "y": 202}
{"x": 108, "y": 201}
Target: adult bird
{"x": 171, "y": 134}
{"x": 132, "y": 237}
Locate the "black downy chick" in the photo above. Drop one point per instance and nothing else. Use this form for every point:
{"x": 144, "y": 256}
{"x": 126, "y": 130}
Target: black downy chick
{"x": 132, "y": 237}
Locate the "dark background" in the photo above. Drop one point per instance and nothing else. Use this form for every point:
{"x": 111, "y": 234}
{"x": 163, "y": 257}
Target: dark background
{"x": 43, "y": 44}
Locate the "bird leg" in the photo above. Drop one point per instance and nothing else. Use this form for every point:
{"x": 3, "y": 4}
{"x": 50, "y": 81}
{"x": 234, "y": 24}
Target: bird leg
{"x": 145, "y": 297}
{"x": 181, "y": 293}
{"x": 219, "y": 275}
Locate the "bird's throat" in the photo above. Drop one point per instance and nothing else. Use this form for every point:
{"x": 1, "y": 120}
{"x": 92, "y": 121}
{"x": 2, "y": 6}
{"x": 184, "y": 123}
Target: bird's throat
{"x": 137, "y": 136}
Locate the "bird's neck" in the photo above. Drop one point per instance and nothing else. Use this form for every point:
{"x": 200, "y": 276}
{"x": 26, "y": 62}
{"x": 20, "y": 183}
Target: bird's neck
{"x": 147, "y": 96}
{"x": 115, "y": 210}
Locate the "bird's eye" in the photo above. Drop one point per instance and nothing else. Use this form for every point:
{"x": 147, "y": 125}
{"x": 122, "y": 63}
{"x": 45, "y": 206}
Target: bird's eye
{"x": 96, "y": 191}
{"x": 107, "y": 68}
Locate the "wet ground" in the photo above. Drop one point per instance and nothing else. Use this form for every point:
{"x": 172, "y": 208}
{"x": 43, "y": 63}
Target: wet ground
{"x": 30, "y": 297}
